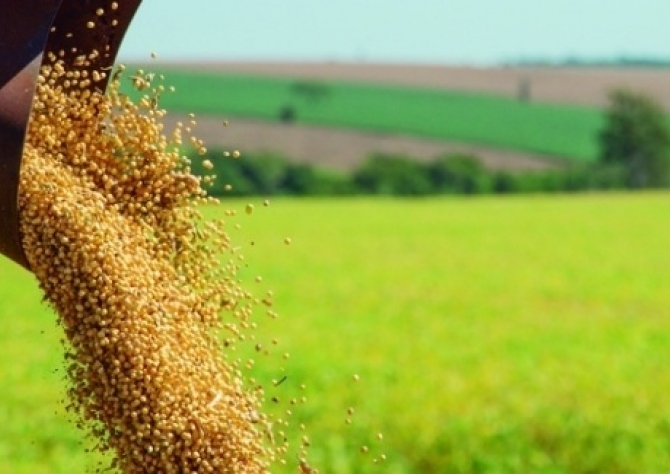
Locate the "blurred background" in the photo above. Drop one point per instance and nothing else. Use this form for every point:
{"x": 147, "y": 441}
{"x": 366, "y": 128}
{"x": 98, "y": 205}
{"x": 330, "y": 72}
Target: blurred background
{"x": 503, "y": 86}
{"x": 476, "y": 197}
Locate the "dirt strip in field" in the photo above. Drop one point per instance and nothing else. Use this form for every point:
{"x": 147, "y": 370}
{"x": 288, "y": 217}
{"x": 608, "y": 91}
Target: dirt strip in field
{"x": 344, "y": 149}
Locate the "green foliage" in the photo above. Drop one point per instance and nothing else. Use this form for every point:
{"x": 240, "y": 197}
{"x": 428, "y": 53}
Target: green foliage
{"x": 260, "y": 174}
{"x": 392, "y": 175}
{"x": 606, "y": 176}
{"x": 301, "y": 180}
{"x": 305, "y": 180}
{"x": 485, "y": 337}
{"x": 270, "y": 174}
{"x": 226, "y": 172}
{"x": 267, "y": 174}
{"x": 287, "y": 114}
{"x": 636, "y": 136}
{"x": 459, "y": 174}
{"x": 556, "y": 130}
{"x": 530, "y": 182}
{"x": 570, "y": 179}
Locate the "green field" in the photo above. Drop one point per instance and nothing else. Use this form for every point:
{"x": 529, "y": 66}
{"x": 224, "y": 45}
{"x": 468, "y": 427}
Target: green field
{"x": 491, "y": 335}
{"x": 556, "y": 130}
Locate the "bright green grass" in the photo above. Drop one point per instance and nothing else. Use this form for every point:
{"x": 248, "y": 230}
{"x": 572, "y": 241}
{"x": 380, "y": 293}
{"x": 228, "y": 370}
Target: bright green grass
{"x": 522, "y": 334}
{"x": 557, "y": 130}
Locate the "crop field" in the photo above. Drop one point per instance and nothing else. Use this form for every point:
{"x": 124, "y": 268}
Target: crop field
{"x": 564, "y": 131}
{"x": 354, "y": 120}
{"x": 579, "y": 85}
{"x": 491, "y": 335}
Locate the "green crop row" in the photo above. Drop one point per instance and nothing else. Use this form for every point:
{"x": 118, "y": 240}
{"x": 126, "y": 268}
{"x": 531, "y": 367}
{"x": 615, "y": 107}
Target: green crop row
{"x": 491, "y": 335}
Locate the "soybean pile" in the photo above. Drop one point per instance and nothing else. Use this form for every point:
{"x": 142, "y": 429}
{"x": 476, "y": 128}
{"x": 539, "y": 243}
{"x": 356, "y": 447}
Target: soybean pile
{"x": 112, "y": 231}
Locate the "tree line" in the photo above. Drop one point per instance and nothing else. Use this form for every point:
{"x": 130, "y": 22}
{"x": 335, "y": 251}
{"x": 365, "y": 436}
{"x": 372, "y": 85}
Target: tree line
{"x": 634, "y": 154}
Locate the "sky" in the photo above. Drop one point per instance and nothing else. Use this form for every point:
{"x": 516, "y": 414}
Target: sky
{"x": 478, "y": 32}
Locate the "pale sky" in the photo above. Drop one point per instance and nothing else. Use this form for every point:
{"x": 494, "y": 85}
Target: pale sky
{"x": 421, "y": 31}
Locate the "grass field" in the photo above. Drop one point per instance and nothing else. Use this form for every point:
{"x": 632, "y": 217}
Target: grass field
{"x": 565, "y": 131}
{"x": 497, "y": 335}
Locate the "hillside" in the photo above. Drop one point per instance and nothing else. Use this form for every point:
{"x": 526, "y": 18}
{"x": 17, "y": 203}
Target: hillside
{"x": 561, "y": 85}
{"x": 560, "y": 119}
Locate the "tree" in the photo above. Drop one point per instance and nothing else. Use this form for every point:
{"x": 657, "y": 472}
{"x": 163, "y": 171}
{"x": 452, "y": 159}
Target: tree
{"x": 460, "y": 174}
{"x": 395, "y": 175}
{"x": 265, "y": 171}
{"x": 636, "y": 137}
